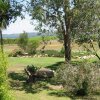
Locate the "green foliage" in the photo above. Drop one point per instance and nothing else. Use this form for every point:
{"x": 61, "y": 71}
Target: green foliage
{"x": 9, "y": 10}
{"x": 62, "y": 51}
{"x": 3, "y": 79}
{"x": 80, "y": 80}
{"x": 32, "y": 46}
{"x": 80, "y": 54}
{"x": 23, "y": 41}
{"x": 99, "y": 40}
{"x": 83, "y": 38}
{"x": 39, "y": 38}
{"x": 52, "y": 53}
{"x": 32, "y": 68}
{"x": 67, "y": 18}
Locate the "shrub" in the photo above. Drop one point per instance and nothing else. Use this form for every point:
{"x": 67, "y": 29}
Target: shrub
{"x": 16, "y": 52}
{"x": 23, "y": 40}
{"x": 80, "y": 80}
{"x": 3, "y": 79}
{"x": 32, "y": 46}
{"x": 62, "y": 51}
{"x": 53, "y": 53}
{"x": 83, "y": 38}
{"x": 32, "y": 68}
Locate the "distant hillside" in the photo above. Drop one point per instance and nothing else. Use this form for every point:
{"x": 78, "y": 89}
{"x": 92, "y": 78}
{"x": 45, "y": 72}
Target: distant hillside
{"x": 13, "y": 36}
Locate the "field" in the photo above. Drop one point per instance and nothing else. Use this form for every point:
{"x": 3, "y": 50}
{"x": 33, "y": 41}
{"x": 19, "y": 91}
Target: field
{"x": 42, "y": 90}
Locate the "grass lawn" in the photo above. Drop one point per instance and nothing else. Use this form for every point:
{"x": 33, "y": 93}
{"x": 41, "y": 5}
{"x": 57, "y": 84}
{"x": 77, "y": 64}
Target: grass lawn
{"x": 19, "y": 63}
{"x": 42, "y": 95}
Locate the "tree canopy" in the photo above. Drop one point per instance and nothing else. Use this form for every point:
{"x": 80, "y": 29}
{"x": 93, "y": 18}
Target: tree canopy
{"x": 67, "y": 17}
{"x": 9, "y": 10}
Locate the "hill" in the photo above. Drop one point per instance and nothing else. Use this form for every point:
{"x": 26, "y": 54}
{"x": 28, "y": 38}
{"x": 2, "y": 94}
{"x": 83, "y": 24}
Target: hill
{"x": 13, "y": 36}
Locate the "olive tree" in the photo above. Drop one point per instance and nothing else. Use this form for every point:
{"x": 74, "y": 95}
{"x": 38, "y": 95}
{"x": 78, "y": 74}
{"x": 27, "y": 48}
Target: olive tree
{"x": 66, "y": 17}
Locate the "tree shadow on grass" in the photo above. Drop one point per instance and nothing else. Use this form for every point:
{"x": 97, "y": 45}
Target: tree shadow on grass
{"x": 61, "y": 93}
{"x": 30, "y": 88}
{"x": 17, "y": 81}
{"x": 69, "y": 95}
{"x": 17, "y": 76}
{"x": 55, "y": 66}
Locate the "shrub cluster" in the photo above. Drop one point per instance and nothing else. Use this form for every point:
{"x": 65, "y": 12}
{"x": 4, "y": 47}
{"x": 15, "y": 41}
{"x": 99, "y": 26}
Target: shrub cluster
{"x": 80, "y": 80}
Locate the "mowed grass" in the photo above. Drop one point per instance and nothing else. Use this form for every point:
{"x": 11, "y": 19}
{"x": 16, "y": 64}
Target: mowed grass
{"x": 42, "y": 95}
{"x": 18, "y": 64}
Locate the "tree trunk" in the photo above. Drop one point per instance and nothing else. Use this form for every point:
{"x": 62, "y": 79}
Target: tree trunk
{"x": 67, "y": 47}
{"x": 1, "y": 41}
{"x": 66, "y": 32}
{"x": 67, "y": 40}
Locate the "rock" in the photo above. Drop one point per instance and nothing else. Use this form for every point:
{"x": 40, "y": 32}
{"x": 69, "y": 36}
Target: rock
{"x": 44, "y": 73}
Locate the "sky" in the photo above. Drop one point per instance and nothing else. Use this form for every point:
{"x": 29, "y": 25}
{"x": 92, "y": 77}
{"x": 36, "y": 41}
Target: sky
{"x": 20, "y": 26}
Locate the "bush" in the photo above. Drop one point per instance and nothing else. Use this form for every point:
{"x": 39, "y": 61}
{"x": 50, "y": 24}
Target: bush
{"x": 62, "y": 51}
{"x": 32, "y": 46}
{"x": 23, "y": 40}
{"x": 3, "y": 79}
{"x": 16, "y": 52}
{"x": 32, "y": 68}
{"x": 52, "y": 53}
{"x": 80, "y": 80}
